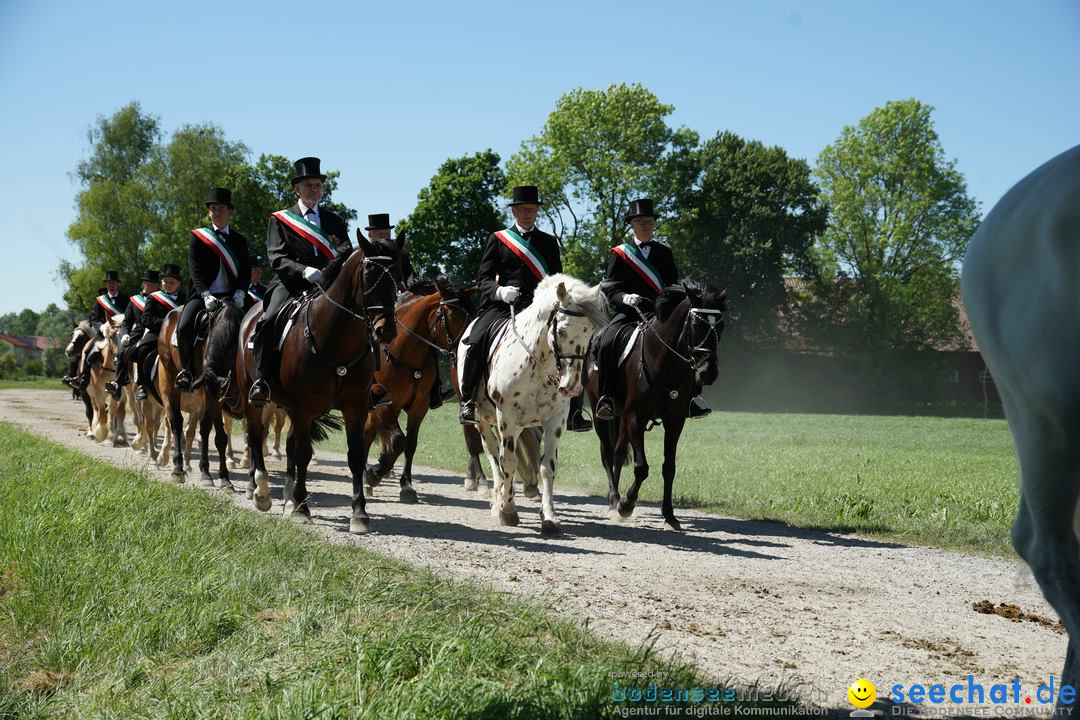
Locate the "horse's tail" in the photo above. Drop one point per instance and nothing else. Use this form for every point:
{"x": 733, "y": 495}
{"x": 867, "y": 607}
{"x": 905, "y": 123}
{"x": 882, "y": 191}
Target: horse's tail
{"x": 324, "y": 424}
{"x": 529, "y": 451}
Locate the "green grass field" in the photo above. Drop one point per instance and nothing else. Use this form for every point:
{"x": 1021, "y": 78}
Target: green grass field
{"x": 38, "y": 383}
{"x": 944, "y": 482}
{"x": 124, "y": 597}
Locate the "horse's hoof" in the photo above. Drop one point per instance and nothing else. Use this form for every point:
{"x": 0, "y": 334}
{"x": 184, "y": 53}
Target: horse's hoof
{"x": 263, "y": 503}
{"x": 626, "y": 510}
{"x": 297, "y": 513}
{"x": 615, "y": 516}
{"x": 359, "y": 526}
{"x": 530, "y": 491}
{"x": 177, "y": 476}
{"x": 206, "y": 480}
{"x": 550, "y": 527}
{"x": 510, "y": 518}
{"x": 408, "y": 496}
{"x": 371, "y": 478}
{"x": 470, "y": 484}
{"x": 673, "y": 525}
{"x": 226, "y": 487}
{"x": 233, "y": 464}
{"x": 250, "y": 493}
{"x": 369, "y": 491}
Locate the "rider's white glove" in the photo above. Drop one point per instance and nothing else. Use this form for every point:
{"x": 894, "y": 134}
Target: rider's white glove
{"x": 508, "y": 294}
{"x": 210, "y": 301}
{"x": 123, "y": 340}
{"x": 632, "y": 299}
{"x": 312, "y": 275}
{"x": 238, "y": 298}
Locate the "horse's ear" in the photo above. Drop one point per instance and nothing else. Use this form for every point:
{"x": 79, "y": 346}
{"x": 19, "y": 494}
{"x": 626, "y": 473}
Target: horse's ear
{"x": 401, "y": 242}
{"x": 442, "y": 285}
{"x": 365, "y": 245}
{"x": 560, "y": 291}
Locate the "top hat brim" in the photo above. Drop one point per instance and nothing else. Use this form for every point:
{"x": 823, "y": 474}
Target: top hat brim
{"x": 208, "y": 203}
{"x": 512, "y": 203}
{"x": 298, "y": 178}
{"x": 379, "y": 227}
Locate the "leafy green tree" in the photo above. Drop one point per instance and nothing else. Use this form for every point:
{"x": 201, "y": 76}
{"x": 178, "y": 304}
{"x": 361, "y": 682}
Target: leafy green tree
{"x": 9, "y": 366}
{"x": 55, "y": 322}
{"x": 899, "y": 221}
{"x": 33, "y": 367}
{"x": 24, "y": 322}
{"x": 597, "y": 151}
{"x": 744, "y": 215}
{"x": 454, "y": 215}
{"x": 115, "y": 206}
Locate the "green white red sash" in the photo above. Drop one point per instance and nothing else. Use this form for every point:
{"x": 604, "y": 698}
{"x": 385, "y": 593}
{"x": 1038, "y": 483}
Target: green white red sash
{"x": 211, "y": 239}
{"x": 528, "y": 255}
{"x": 139, "y": 301}
{"x": 165, "y": 300}
{"x": 633, "y": 257}
{"x": 107, "y": 304}
{"x": 309, "y": 231}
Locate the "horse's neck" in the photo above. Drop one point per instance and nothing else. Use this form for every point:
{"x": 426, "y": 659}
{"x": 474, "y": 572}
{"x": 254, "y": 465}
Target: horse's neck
{"x": 670, "y": 331}
{"x": 333, "y": 321}
{"x": 421, "y": 325}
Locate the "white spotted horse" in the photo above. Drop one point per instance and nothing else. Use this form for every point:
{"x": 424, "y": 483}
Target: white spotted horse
{"x": 535, "y": 369}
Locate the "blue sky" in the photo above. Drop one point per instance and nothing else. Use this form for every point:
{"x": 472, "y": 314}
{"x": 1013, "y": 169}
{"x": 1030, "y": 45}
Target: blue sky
{"x": 392, "y": 89}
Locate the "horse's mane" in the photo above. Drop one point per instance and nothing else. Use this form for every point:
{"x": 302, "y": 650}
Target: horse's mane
{"x": 221, "y": 347}
{"x": 581, "y": 294}
{"x": 333, "y": 269}
{"x": 425, "y": 286}
{"x": 700, "y": 296}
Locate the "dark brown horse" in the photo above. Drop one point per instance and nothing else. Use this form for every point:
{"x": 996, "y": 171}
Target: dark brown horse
{"x": 431, "y": 317}
{"x": 327, "y": 362}
{"x": 673, "y": 356}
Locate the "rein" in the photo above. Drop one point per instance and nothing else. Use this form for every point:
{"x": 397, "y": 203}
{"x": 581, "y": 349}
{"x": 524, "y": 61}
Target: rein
{"x": 560, "y": 356}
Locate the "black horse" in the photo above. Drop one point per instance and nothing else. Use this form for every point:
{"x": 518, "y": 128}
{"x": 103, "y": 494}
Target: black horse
{"x": 673, "y": 356}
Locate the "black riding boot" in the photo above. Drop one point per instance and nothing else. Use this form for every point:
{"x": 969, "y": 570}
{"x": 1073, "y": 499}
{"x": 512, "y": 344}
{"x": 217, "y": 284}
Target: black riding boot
{"x": 470, "y": 371}
{"x": 259, "y": 394}
{"x": 575, "y": 421}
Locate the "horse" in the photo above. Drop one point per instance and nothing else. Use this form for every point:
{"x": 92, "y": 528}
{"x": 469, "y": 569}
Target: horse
{"x": 274, "y": 418}
{"x": 672, "y": 356}
{"x": 212, "y": 370}
{"x": 107, "y": 425}
{"x": 530, "y": 381}
{"x": 327, "y": 362}
{"x": 431, "y": 316}
{"x": 1019, "y": 289}
{"x": 81, "y": 334}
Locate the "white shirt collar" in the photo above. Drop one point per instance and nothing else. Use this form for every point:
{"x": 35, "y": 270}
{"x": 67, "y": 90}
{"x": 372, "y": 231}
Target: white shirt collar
{"x": 304, "y": 209}
{"x": 221, "y": 229}
{"x": 520, "y": 230}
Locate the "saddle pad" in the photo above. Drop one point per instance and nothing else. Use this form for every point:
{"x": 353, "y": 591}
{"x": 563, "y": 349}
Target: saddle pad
{"x": 629, "y": 345}
{"x": 496, "y": 333}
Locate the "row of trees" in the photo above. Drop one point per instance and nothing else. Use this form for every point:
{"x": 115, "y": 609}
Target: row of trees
{"x": 874, "y": 230}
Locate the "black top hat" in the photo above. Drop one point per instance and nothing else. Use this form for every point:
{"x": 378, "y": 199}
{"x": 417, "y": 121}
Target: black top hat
{"x": 307, "y": 167}
{"x": 642, "y": 207}
{"x": 112, "y": 275}
{"x": 220, "y": 195}
{"x": 523, "y": 194}
{"x": 170, "y": 270}
{"x": 255, "y": 261}
{"x": 151, "y": 276}
{"x": 379, "y": 221}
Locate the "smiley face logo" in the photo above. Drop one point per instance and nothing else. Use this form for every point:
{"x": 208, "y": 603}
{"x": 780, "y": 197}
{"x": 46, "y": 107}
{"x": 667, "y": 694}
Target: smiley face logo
{"x": 862, "y": 693}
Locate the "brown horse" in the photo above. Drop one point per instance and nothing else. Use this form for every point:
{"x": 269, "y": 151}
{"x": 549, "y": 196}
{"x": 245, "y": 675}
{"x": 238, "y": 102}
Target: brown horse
{"x": 327, "y": 361}
{"x": 431, "y": 317}
{"x": 212, "y": 369}
{"x": 672, "y": 357}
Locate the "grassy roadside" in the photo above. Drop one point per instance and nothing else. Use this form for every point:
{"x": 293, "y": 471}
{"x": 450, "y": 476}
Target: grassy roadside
{"x": 942, "y": 482}
{"x": 124, "y": 597}
{"x": 38, "y": 383}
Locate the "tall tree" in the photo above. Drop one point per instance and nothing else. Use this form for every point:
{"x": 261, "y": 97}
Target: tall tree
{"x": 743, "y": 215}
{"x": 454, "y": 214}
{"x": 899, "y": 221}
{"x": 24, "y": 322}
{"x": 598, "y": 150}
{"x": 115, "y": 215}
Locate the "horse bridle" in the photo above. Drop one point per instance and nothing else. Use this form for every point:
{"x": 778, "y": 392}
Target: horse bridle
{"x": 560, "y": 356}
{"x": 450, "y": 350}
{"x": 692, "y": 315}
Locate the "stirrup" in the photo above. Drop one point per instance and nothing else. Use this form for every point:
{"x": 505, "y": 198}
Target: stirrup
{"x": 113, "y": 389}
{"x": 467, "y": 416}
{"x": 577, "y": 422}
{"x": 259, "y": 394}
{"x": 140, "y": 394}
{"x": 183, "y": 380}
{"x": 605, "y": 409}
{"x": 698, "y": 409}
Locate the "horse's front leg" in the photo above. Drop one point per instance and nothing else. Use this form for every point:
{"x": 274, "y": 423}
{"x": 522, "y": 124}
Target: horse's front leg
{"x": 412, "y": 433}
{"x": 493, "y": 447}
{"x": 673, "y": 428}
{"x": 508, "y": 464}
{"x": 205, "y": 423}
{"x": 549, "y": 523}
{"x": 258, "y": 479}
{"x": 355, "y": 434}
{"x": 475, "y": 477}
{"x": 176, "y": 423}
{"x": 296, "y": 494}
{"x": 223, "y": 440}
{"x": 635, "y": 428}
